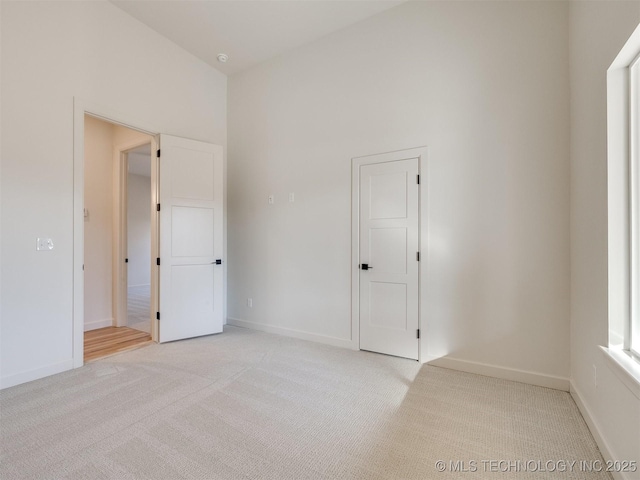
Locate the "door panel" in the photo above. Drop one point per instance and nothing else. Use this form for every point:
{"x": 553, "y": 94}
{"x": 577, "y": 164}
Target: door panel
{"x": 388, "y": 249}
{"x": 388, "y": 305}
{"x": 191, "y": 223}
{"x": 193, "y": 231}
{"x": 388, "y": 195}
{"x": 194, "y": 175}
{"x": 193, "y": 299}
{"x": 388, "y": 232}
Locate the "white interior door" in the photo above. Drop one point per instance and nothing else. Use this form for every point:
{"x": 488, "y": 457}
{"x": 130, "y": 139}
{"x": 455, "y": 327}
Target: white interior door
{"x": 191, "y": 236}
{"x": 388, "y": 254}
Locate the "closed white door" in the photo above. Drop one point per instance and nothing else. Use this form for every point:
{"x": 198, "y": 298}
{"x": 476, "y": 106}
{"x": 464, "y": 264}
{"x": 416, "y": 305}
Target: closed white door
{"x": 388, "y": 252}
{"x": 191, "y": 235}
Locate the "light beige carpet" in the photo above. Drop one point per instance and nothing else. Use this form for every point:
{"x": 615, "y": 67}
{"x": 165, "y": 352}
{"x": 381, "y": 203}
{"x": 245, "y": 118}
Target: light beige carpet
{"x": 245, "y": 404}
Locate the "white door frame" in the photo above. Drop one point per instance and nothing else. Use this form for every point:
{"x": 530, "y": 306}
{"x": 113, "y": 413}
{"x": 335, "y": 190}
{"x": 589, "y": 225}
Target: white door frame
{"x": 421, "y": 154}
{"x": 120, "y": 248}
{"x": 80, "y": 108}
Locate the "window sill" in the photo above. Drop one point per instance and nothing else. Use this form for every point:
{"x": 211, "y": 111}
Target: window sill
{"x": 626, "y": 368}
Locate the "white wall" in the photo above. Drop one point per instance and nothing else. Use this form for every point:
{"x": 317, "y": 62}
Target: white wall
{"x": 51, "y": 52}
{"x": 138, "y": 230}
{"x": 485, "y": 86}
{"x": 598, "y": 32}
{"x": 98, "y": 225}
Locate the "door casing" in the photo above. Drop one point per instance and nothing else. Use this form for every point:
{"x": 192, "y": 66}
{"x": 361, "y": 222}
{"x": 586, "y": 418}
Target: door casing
{"x": 421, "y": 154}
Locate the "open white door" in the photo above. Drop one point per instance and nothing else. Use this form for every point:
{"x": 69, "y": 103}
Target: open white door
{"x": 191, "y": 236}
{"x": 388, "y": 256}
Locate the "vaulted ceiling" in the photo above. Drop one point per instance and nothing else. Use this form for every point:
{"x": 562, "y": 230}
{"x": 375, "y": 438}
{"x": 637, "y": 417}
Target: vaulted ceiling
{"x": 248, "y": 31}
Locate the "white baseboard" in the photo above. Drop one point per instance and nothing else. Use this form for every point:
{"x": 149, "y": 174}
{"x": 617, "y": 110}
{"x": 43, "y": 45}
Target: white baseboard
{"x": 595, "y": 431}
{"x": 95, "y": 324}
{"x": 36, "y": 374}
{"x": 532, "y": 378}
{"x": 290, "y": 332}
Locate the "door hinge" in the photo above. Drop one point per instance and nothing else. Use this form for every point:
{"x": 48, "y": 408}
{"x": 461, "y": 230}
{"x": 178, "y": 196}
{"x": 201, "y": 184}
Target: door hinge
{"x": 157, "y": 315}
{"x": 158, "y": 153}
{"x": 418, "y": 179}
{"x": 418, "y": 256}
{"x": 418, "y": 333}
{"x": 126, "y": 260}
{"x": 158, "y": 261}
{"x": 157, "y": 207}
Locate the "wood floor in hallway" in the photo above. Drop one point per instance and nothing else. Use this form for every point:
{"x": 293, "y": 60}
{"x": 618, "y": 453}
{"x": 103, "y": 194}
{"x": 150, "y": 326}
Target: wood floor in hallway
{"x": 109, "y": 340}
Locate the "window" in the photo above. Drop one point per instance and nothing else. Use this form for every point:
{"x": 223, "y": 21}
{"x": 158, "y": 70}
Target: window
{"x": 634, "y": 205}
{"x": 623, "y": 194}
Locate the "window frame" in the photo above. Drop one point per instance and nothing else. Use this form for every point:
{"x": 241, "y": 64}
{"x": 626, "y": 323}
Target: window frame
{"x": 632, "y": 343}
{"x": 623, "y": 187}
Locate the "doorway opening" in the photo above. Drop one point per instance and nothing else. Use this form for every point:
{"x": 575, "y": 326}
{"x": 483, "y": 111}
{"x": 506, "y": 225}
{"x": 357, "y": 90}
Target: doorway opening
{"x": 187, "y": 232}
{"x": 138, "y": 237}
{"x": 119, "y": 238}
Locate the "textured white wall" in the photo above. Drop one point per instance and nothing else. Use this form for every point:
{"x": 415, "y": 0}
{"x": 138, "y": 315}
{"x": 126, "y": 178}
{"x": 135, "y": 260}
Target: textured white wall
{"x": 598, "y": 32}
{"x": 485, "y": 86}
{"x": 98, "y": 225}
{"x": 51, "y": 52}
{"x": 139, "y": 230}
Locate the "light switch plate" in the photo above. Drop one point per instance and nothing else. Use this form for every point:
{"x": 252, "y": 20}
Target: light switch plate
{"x": 44, "y": 244}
